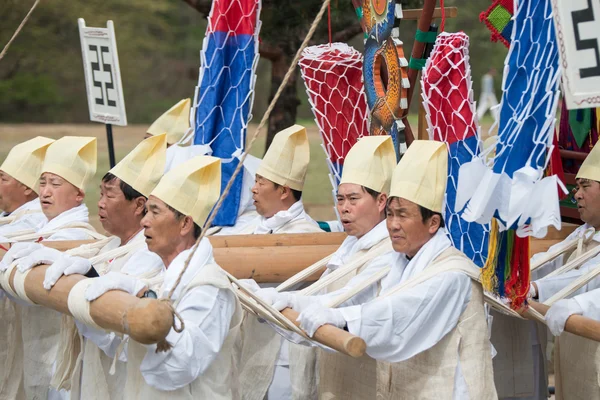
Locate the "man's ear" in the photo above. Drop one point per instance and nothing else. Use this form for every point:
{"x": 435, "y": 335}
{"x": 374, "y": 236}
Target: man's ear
{"x": 80, "y": 196}
{"x": 140, "y": 205}
{"x": 27, "y": 191}
{"x": 434, "y": 223}
{"x": 382, "y": 199}
{"x": 285, "y": 192}
{"x": 187, "y": 225}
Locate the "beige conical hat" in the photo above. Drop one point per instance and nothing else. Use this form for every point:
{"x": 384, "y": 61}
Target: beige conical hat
{"x": 370, "y": 163}
{"x": 73, "y": 158}
{"x": 175, "y": 122}
{"x": 287, "y": 159}
{"x": 24, "y": 161}
{"x": 143, "y": 167}
{"x": 590, "y": 169}
{"x": 421, "y": 174}
{"x": 192, "y": 188}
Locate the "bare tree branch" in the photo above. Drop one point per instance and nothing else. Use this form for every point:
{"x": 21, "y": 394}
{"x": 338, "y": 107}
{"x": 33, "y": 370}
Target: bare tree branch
{"x": 348, "y": 33}
{"x": 202, "y": 6}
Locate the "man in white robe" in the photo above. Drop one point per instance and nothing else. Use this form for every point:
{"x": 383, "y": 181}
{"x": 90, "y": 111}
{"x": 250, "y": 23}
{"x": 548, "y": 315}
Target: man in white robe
{"x": 19, "y": 176}
{"x": 121, "y": 207}
{"x": 201, "y": 362}
{"x": 361, "y": 199}
{"x": 542, "y": 288}
{"x": 277, "y": 196}
{"x": 426, "y": 325}
{"x": 576, "y": 359}
{"x": 69, "y": 165}
{"x": 521, "y": 363}
{"x": 277, "y": 191}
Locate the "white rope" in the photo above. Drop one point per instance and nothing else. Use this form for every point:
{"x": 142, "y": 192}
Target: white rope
{"x": 380, "y": 248}
{"x": 570, "y": 245}
{"x": 305, "y": 273}
{"x": 79, "y": 306}
{"x": 14, "y": 36}
{"x": 574, "y": 286}
{"x": 19, "y": 284}
{"x": 5, "y": 280}
{"x": 379, "y": 275}
{"x": 576, "y": 263}
{"x": 289, "y": 325}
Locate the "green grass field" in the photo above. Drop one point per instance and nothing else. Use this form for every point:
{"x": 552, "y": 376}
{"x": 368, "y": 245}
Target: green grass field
{"x": 317, "y": 192}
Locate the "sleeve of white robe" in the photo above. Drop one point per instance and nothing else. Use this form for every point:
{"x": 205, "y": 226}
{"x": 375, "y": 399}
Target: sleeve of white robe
{"x": 590, "y": 304}
{"x": 549, "y": 286}
{"x": 207, "y": 313}
{"x": 24, "y": 223}
{"x": 403, "y": 325}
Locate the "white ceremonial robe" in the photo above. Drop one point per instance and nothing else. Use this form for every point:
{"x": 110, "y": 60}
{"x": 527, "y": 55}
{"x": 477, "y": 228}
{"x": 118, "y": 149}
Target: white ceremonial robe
{"x": 201, "y": 363}
{"x": 30, "y": 216}
{"x": 520, "y": 366}
{"x": 264, "y": 345}
{"x": 27, "y": 216}
{"x": 340, "y": 374}
{"x": 90, "y": 378}
{"x": 41, "y": 326}
{"x": 577, "y": 359}
{"x": 408, "y": 324}
{"x": 293, "y": 220}
{"x": 62, "y": 221}
{"x": 405, "y": 328}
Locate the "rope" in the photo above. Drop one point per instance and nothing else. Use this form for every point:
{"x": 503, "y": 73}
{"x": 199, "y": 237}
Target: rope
{"x": 263, "y": 121}
{"x": 14, "y": 36}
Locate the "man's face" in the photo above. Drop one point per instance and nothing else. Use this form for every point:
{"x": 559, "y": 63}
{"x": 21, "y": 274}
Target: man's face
{"x": 588, "y": 201}
{"x": 358, "y": 210}
{"x": 57, "y": 195}
{"x": 406, "y": 227}
{"x": 114, "y": 210}
{"x": 267, "y": 198}
{"x": 13, "y": 194}
{"x": 161, "y": 228}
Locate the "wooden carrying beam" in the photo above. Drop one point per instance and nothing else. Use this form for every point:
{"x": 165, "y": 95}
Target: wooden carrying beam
{"x": 271, "y": 264}
{"x": 576, "y": 324}
{"x": 274, "y": 261}
{"x": 147, "y": 321}
{"x": 288, "y": 239}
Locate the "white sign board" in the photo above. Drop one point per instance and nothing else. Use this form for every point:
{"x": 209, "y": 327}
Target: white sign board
{"x": 577, "y": 25}
{"x": 102, "y": 74}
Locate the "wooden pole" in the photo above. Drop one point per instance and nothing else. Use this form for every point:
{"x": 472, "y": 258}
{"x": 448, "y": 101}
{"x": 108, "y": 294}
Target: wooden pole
{"x": 576, "y": 324}
{"x": 271, "y": 264}
{"x": 146, "y": 321}
{"x": 275, "y": 258}
{"x": 288, "y": 239}
{"x": 333, "y": 337}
